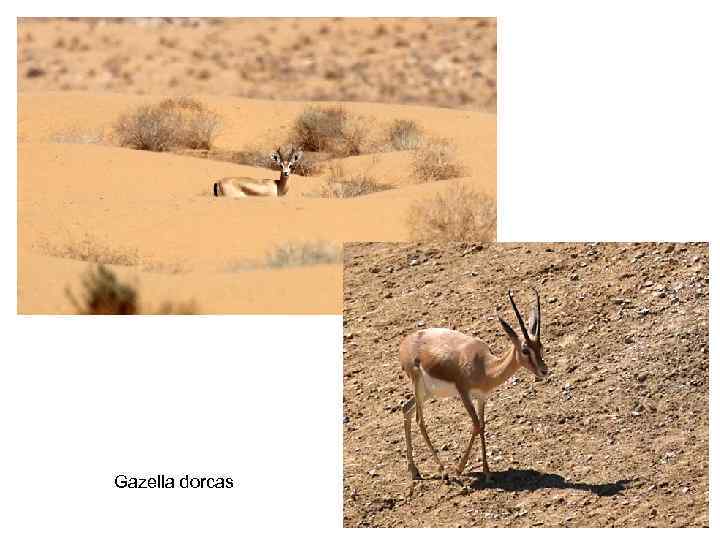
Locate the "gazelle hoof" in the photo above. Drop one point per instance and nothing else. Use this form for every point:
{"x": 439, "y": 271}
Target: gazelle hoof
{"x": 414, "y": 474}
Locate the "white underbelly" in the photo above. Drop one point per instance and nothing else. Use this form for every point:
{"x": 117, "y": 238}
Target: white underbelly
{"x": 440, "y": 389}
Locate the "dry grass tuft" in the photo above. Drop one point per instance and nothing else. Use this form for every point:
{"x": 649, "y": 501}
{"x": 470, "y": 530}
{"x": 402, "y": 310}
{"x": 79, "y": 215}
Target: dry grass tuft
{"x": 460, "y": 214}
{"x": 332, "y": 130}
{"x": 104, "y": 294}
{"x": 404, "y": 135}
{"x": 172, "y": 123}
{"x": 76, "y": 135}
{"x": 338, "y": 185}
{"x": 90, "y": 249}
{"x": 436, "y": 159}
{"x": 303, "y": 254}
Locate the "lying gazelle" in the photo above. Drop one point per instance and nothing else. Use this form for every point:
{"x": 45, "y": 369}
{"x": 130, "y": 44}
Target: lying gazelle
{"x": 443, "y": 363}
{"x": 247, "y": 187}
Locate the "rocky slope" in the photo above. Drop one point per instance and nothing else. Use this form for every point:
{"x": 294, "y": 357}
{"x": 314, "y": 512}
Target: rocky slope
{"x": 617, "y": 436}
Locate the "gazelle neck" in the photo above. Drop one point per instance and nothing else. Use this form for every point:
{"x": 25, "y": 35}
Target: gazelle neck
{"x": 500, "y": 368}
{"x": 282, "y": 185}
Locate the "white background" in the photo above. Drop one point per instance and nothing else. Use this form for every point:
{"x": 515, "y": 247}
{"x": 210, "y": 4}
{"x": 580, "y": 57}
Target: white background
{"x": 608, "y": 130}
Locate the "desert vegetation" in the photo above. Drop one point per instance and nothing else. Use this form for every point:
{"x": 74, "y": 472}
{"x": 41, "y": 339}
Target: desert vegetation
{"x": 303, "y": 254}
{"x": 340, "y": 185}
{"x": 459, "y": 214}
{"x": 331, "y": 129}
{"x": 90, "y": 248}
{"x": 104, "y": 294}
{"x": 170, "y": 124}
{"x": 291, "y": 254}
{"x": 436, "y": 159}
{"x": 404, "y": 135}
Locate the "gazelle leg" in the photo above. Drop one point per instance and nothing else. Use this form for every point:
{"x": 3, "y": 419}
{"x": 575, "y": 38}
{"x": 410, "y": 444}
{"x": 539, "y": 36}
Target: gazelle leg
{"x": 481, "y": 417}
{"x": 408, "y": 409}
{"x": 423, "y": 430}
{"x": 476, "y": 429}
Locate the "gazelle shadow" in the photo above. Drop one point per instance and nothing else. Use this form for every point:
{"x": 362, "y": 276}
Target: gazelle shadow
{"x": 530, "y": 480}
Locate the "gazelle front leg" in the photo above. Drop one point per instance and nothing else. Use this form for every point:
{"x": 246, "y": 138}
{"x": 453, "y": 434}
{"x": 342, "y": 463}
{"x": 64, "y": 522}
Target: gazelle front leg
{"x": 476, "y": 428}
{"x": 408, "y": 409}
{"x": 481, "y": 417}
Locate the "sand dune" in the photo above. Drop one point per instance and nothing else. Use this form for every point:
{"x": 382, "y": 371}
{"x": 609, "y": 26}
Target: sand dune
{"x": 188, "y": 245}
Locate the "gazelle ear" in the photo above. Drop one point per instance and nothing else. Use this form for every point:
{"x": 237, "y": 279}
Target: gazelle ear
{"x": 297, "y": 156}
{"x": 275, "y": 157}
{"x": 508, "y": 329}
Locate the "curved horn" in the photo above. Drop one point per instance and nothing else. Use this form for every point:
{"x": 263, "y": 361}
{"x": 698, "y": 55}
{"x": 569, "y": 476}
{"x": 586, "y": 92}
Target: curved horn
{"x": 536, "y": 318}
{"x": 519, "y": 317}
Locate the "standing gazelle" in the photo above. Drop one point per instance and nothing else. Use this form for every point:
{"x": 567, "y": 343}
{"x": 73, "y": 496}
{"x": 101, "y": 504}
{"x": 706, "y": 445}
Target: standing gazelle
{"x": 443, "y": 363}
{"x": 247, "y": 187}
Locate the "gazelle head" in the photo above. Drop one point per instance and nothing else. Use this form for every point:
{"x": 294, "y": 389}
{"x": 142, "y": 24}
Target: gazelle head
{"x": 528, "y": 349}
{"x": 287, "y": 161}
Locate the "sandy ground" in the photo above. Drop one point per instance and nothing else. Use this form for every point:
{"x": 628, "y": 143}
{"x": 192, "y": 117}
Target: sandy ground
{"x": 160, "y": 205}
{"x": 76, "y": 77}
{"x": 616, "y": 436}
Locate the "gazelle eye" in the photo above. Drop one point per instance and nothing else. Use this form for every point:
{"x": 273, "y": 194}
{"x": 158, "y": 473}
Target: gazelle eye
{"x": 525, "y": 351}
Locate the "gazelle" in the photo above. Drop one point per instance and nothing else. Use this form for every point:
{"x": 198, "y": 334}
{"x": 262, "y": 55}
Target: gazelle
{"x": 443, "y": 363}
{"x": 247, "y": 187}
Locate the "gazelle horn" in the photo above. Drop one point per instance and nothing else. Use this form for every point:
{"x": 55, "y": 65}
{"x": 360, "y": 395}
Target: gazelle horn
{"x": 519, "y": 317}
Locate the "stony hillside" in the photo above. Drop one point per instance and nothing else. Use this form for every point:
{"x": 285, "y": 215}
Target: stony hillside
{"x": 618, "y": 434}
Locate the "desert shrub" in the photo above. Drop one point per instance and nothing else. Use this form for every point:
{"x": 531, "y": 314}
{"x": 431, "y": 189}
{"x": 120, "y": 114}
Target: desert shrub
{"x": 458, "y": 214}
{"x": 329, "y": 129}
{"x": 309, "y": 167}
{"x": 404, "y": 135}
{"x": 172, "y": 123}
{"x": 338, "y": 185}
{"x": 90, "y": 249}
{"x": 303, "y": 254}
{"x": 436, "y": 159}
{"x": 103, "y": 294}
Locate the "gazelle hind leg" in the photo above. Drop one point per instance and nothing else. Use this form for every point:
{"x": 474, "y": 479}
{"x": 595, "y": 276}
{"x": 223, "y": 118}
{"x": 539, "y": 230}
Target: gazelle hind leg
{"x": 465, "y": 397}
{"x": 408, "y": 409}
{"x": 419, "y": 398}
